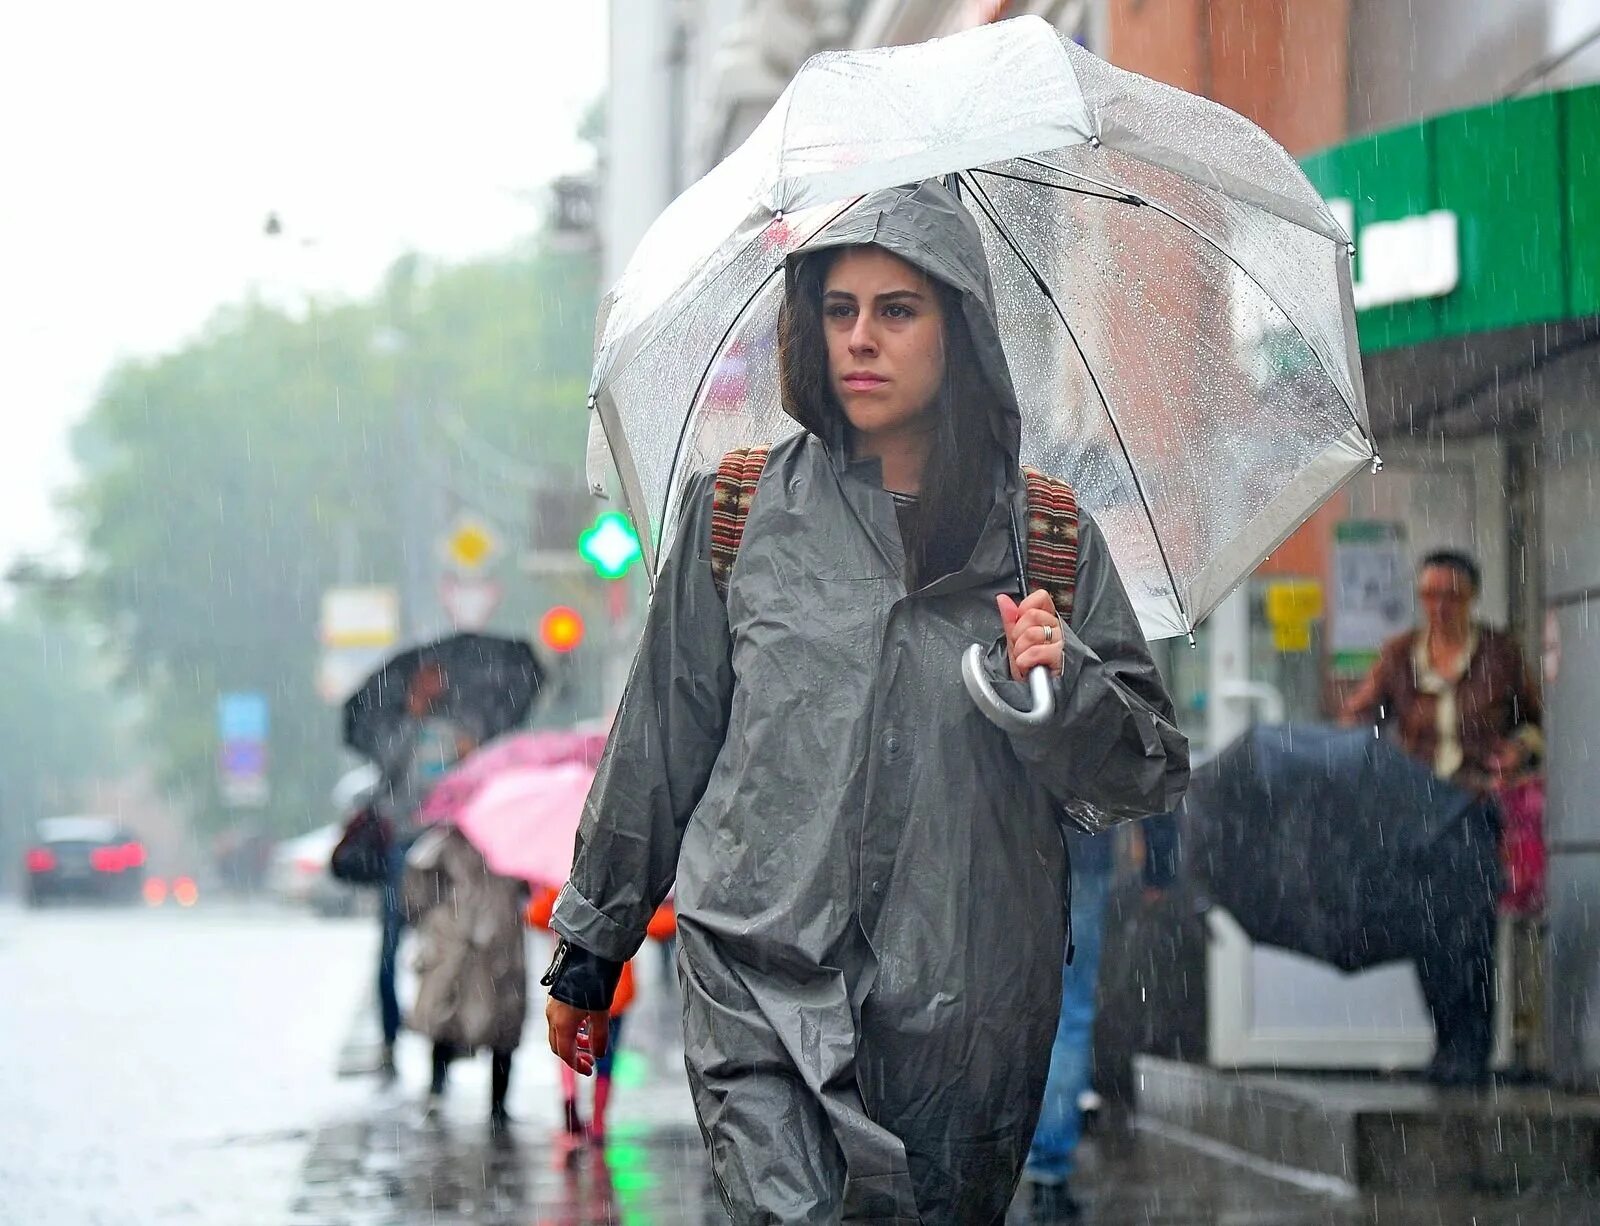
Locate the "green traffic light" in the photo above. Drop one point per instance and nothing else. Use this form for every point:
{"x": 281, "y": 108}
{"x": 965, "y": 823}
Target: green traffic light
{"x": 610, "y": 545}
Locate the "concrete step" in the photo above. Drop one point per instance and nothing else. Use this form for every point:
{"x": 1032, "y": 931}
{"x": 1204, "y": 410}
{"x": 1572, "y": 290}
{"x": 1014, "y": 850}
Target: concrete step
{"x": 1382, "y": 1133}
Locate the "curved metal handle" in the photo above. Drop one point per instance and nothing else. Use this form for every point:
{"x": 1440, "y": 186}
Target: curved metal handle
{"x": 996, "y": 709}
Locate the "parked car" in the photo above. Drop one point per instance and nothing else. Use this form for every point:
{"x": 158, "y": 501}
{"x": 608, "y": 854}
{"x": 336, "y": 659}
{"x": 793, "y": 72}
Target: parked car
{"x": 86, "y": 858}
{"x": 298, "y": 874}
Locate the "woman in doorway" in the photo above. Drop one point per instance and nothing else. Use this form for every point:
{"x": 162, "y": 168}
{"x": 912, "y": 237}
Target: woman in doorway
{"x": 869, "y": 875}
{"x": 1456, "y": 695}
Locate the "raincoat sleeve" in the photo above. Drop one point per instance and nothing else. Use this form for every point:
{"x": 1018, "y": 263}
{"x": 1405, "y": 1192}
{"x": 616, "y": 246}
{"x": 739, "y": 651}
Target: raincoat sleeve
{"x": 668, "y": 732}
{"x": 1113, "y": 752}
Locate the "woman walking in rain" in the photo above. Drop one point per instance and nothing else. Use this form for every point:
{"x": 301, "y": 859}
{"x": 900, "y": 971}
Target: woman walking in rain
{"x": 869, "y": 875}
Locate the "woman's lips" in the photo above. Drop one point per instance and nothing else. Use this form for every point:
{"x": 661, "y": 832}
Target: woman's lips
{"x": 863, "y": 383}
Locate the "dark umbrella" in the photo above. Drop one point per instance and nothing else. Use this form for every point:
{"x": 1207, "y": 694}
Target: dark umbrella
{"x": 490, "y": 685}
{"x": 1336, "y": 844}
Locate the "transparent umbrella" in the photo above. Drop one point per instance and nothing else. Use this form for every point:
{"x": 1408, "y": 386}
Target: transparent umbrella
{"x": 1174, "y": 296}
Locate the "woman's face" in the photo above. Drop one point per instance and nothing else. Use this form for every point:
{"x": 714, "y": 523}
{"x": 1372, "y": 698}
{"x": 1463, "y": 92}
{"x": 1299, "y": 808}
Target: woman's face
{"x": 885, "y": 331}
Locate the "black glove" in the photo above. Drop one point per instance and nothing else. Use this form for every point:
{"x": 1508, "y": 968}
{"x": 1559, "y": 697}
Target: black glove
{"x": 581, "y": 979}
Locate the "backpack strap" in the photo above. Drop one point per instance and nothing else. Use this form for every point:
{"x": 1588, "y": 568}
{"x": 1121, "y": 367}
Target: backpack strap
{"x": 1052, "y": 547}
{"x": 1052, "y": 561}
{"x": 732, "y": 491}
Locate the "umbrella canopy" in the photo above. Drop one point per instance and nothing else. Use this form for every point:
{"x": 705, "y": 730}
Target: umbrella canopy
{"x": 519, "y": 752}
{"x": 1336, "y": 844}
{"x": 1174, "y": 296}
{"x": 525, "y": 821}
{"x": 491, "y": 683}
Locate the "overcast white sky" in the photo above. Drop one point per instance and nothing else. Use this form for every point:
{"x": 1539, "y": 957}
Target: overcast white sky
{"x": 142, "y": 147}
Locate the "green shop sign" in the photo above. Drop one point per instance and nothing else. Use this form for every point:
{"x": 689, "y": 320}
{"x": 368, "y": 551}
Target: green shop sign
{"x": 1472, "y": 221}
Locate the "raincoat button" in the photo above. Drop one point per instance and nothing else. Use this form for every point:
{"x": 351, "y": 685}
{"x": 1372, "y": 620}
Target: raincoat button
{"x": 891, "y": 745}
{"x": 877, "y": 887}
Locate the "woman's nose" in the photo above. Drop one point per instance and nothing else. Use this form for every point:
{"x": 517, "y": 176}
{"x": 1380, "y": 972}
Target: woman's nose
{"x": 862, "y": 340}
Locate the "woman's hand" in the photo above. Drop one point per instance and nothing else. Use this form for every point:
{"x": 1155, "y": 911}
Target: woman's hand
{"x": 1033, "y": 634}
{"x": 578, "y": 1036}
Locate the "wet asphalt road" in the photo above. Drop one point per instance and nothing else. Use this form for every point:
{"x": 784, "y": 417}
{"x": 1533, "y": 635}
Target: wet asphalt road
{"x": 166, "y": 1066}
{"x": 179, "y": 1066}
{"x": 183, "y": 1067}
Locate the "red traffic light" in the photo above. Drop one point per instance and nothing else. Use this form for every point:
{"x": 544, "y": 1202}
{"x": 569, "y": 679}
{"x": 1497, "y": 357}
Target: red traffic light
{"x": 561, "y": 629}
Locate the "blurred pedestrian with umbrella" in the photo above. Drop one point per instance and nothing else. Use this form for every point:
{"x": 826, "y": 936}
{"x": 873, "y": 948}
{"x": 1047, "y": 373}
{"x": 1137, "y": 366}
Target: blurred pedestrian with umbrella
{"x": 518, "y": 802}
{"x": 414, "y": 718}
{"x": 869, "y": 865}
{"x": 472, "y": 980}
{"x": 1457, "y": 696}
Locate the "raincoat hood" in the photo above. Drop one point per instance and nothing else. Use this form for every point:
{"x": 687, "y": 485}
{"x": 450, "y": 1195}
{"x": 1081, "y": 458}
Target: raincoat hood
{"x": 929, "y": 228}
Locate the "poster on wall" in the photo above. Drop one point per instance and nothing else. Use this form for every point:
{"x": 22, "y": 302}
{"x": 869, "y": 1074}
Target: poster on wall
{"x": 1371, "y": 593}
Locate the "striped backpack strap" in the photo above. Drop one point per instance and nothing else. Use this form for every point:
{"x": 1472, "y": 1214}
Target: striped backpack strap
{"x": 1052, "y": 561}
{"x": 730, "y": 504}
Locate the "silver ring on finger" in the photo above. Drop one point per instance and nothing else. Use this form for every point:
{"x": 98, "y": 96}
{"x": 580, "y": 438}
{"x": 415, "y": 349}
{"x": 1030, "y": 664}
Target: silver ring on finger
{"x": 1049, "y": 633}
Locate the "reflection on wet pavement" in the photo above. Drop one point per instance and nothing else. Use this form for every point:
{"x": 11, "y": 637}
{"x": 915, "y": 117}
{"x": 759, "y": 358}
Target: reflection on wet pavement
{"x": 395, "y": 1168}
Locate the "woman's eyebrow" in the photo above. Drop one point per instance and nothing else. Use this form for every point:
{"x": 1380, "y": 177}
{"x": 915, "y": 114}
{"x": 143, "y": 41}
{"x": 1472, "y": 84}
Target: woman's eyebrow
{"x": 893, "y": 295}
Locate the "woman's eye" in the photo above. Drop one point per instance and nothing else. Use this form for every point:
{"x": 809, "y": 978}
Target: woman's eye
{"x": 895, "y": 311}
{"x": 838, "y": 311}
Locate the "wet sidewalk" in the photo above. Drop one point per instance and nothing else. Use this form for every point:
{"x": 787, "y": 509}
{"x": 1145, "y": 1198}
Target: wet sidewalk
{"x": 394, "y": 1170}
{"x": 388, "y": 1166}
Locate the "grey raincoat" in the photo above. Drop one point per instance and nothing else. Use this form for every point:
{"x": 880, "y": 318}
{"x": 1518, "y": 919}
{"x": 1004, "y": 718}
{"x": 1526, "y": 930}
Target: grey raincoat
{"x": 869, "y": 875}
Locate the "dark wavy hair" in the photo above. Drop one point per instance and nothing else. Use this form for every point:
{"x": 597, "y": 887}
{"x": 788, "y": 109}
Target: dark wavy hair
{"x": 958, "y": 484}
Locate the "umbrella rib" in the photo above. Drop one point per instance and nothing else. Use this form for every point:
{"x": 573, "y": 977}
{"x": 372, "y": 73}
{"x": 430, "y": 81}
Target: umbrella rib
{"x": 738, "y": 317}
{"x": 988, "y": 208}
{"x": 1117, "y": 198}
{"x": 1210, "y": 241}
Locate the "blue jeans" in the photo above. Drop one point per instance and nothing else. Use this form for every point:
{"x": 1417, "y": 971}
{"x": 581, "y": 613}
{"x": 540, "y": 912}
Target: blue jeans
{"x": 394, "y": 922}
{"x": 1055, "y": 1140}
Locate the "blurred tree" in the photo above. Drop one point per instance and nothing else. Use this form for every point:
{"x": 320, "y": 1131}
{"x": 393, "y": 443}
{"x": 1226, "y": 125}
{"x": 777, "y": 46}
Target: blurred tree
{"x": 225, "y": 485}
{"x": 56, "y": 720}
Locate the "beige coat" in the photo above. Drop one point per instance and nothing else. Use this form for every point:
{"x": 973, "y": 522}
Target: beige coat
{"x": 472, "y": 988}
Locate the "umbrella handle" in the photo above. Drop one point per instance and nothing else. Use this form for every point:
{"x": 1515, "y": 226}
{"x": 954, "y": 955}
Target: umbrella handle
{"x": 996, "y": 709}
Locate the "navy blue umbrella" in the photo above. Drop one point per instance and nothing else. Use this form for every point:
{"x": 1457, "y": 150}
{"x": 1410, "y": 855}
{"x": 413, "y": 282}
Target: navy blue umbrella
{"x": 1336, "y": 844}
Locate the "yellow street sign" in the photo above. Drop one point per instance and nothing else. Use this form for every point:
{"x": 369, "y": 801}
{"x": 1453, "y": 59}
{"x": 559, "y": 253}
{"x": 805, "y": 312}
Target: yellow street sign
{"x": 471, "y": 545}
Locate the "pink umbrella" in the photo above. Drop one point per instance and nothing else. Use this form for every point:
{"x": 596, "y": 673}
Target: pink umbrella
{"x": 524, "y": 821}
{"x": 519, "y": 751}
